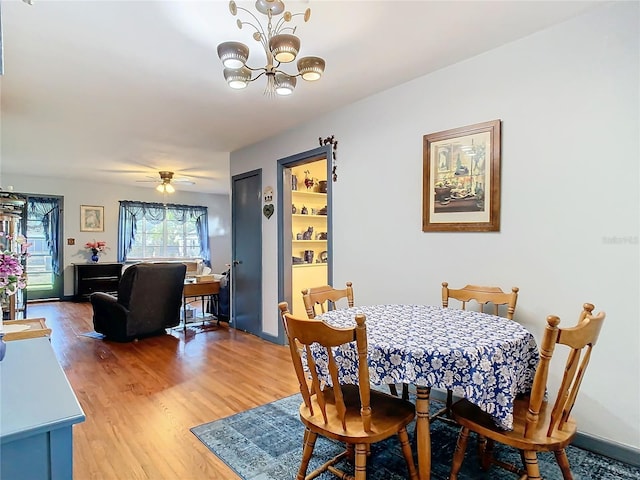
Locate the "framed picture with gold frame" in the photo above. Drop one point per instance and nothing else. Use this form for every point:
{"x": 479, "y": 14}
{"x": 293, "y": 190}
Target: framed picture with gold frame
{"x": 461, "y": 179}
{"x": 91, "y": 218}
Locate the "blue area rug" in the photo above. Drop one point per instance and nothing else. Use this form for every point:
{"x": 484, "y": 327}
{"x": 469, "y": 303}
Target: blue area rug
{"x": 265, "y": 443}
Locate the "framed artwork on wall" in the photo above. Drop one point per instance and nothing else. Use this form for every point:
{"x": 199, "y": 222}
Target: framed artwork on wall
{"x": 461, "y": 179}
{"x": 91, "y": 218}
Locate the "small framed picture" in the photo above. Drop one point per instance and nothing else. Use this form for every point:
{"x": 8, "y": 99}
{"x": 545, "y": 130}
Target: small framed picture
{"x": 91, "y": 218}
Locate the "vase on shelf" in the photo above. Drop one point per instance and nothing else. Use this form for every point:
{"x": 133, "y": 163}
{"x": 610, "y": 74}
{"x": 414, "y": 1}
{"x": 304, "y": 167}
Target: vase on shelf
{"x": 94, "y": 257}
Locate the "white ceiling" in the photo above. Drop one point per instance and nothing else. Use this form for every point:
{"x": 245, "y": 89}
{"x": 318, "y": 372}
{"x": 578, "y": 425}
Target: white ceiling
{"x": 126, "y": 88}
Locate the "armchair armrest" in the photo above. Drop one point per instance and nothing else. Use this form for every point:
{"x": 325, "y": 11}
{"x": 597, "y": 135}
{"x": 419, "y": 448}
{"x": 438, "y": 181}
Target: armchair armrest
{"x": 109, "y": 316}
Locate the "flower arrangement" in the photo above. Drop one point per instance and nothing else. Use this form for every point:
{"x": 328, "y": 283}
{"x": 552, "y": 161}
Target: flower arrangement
{"x": 96, "y": 247}
{"x": 12, "y": 274}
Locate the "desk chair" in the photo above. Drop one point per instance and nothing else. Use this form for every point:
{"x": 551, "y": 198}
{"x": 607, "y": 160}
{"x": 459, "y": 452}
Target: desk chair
{"x": 353, "y": 414}
{"x": 326, "y": 297}
{"x": 538, "y": 425}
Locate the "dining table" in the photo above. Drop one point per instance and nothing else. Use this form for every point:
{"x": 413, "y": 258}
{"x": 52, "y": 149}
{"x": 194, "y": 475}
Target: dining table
{"x": 487, "y": 359}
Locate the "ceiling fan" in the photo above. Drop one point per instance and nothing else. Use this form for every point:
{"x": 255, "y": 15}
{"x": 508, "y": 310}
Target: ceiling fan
{"x": 166, "y": 179}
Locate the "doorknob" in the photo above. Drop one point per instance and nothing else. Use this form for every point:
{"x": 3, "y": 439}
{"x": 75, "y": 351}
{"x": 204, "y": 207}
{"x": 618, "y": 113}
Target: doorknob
{"x": 237, "y": 262}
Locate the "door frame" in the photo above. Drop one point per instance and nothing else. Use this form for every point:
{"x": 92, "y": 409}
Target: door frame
{"x": 57, "y": 292}
{"x": 234, "y": 239}
{"x": 284, "y": 208}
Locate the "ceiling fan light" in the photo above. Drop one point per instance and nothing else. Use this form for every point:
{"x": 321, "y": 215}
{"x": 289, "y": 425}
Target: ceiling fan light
{"x": 284, "y": 47}
{"x": 160, "y": 188}
{"x": 237, "y": 78}
{"x": 285, "y": 85}
{"x": 311, "y": 68}
{"x": 169, "y": 188}
{"x": 233, "y": 54}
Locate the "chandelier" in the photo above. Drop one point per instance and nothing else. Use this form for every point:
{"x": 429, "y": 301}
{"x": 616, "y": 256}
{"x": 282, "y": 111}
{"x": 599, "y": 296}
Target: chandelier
{"x": 280, "y": 46}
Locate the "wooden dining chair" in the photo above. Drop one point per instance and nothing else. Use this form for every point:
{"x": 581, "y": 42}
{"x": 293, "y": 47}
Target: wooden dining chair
{"x": 353, "y": 414}
{"x": 325, "y": 297}
{"x": 538, "y": 424}
{"x": 484, "y": 297}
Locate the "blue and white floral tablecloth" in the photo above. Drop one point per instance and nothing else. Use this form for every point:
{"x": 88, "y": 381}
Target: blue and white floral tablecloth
{"x": 489, "y": 360}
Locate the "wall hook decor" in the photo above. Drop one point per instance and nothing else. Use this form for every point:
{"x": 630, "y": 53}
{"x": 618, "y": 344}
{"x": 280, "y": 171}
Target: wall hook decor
{"x": 331, "y": 140}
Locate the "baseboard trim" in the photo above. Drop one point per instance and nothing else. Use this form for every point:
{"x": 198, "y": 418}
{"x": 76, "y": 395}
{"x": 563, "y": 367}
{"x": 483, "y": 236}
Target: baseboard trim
{"x": 270, "y": 338}
{"x": 607, "y": 448}
{"x": 614, "y": 450}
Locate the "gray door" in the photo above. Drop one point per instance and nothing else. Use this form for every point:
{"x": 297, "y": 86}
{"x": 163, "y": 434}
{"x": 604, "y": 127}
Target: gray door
{"x": 246, "y": 270}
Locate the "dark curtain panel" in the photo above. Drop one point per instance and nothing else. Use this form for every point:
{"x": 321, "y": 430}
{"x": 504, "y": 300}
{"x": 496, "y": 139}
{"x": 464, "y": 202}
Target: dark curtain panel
{"x": 131, "y": 212}
{"x": 48, "y": 210}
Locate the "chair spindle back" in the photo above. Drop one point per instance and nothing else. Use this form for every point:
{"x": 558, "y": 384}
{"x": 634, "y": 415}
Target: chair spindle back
{"x": 325, "y": 295}
{"x": 580, "y": 339}
{"x": 482, "y": 295}
{"x": 305, "y": 332}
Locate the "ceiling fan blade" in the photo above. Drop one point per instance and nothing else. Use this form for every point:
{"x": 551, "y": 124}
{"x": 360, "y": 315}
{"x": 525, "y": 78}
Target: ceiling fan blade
{"x": 120, "y": 170}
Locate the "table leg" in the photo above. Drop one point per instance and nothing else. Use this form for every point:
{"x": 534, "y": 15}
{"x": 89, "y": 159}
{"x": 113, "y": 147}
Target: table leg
{"x": 184, "y": 314}
{"x": 422, "y": 432}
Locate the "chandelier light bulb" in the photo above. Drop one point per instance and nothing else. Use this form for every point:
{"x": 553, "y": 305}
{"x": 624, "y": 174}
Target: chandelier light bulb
{"x": 284, "y": 84}
{"x": 311, "y": 68}
{"x": 284, "y": 47}
{"x": 237, "y": 78}
{"x": 233, "y": 54}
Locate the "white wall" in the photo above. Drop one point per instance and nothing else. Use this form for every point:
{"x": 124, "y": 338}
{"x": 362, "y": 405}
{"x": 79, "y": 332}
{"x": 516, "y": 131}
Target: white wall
{"x": 77, "y": 193}
{"x": 569, "y": 102}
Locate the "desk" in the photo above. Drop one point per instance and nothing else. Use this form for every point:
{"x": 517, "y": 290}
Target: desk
{"x": 38, "y": 411}
{"x": 202, "y": 290}
{"x": 484, "y": 358}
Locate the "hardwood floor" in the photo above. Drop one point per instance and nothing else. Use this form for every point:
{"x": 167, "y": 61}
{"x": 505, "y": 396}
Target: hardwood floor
{"x": 141, "y": 398}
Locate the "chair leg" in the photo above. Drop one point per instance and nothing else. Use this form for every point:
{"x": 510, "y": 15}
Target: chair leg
{"x": 563, "y": 463}
{"x": 351, "y": 452}
{"x": 361, "y": 462}
{"x": 307, "y": 451}
{"x": 485, "y": 451}
{"x": 405, "y": 445}
{"x": 458, "y": 455}
{"x": 531, "y": 465}
{"x": 393, "y": 389}
{"x": 405, "y": 391}
{"x": 449, "y": 402}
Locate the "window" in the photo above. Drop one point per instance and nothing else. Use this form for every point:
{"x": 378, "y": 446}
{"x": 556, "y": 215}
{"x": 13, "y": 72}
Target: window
{"x": 156, "y": 231}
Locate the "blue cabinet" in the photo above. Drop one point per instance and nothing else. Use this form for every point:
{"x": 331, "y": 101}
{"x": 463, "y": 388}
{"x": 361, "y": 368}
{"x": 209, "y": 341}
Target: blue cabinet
{"x": 37, "y": 411}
